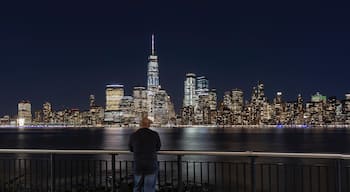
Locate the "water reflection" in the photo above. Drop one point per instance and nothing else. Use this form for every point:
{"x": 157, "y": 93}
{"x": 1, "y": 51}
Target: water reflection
{"x": 215, "y": 139}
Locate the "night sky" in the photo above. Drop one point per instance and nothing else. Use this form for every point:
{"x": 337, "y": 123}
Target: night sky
{"x": 62, "y": 52}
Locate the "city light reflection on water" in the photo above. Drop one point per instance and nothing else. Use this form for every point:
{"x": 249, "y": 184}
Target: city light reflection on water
{"x": 306, "y": 139}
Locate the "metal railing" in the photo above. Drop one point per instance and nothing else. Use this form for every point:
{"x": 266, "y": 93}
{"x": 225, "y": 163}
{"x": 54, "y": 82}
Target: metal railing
{"x": 111, "y": 170}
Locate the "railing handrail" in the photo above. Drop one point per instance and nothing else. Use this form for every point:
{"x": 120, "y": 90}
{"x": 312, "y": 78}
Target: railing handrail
{"x": 182, "y": 153}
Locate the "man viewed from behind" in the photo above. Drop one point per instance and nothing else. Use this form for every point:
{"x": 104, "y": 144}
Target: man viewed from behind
{"x": 145, "y": 143}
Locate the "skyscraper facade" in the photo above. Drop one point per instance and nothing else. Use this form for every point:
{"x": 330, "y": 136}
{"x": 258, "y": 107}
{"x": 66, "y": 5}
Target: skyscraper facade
{"x": 140, "y": 102}
{"x": 190, "y": 96}
{"x": 237, "y": 106}
{"x": 47, "y": 112}
{"x": 153, "y": 71}
{"x": 159, "y": 106}
{"x": 114, "y": 96}
{"x": 347, "y": 108}
{"x": 153, "y": 85}
{"x": 202, "y": 87}
{"x": 24, "y": 113}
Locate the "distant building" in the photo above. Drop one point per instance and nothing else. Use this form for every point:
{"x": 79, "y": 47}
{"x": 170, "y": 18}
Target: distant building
{"x": 202, "y": 87}
{"x": 347, "y": 108}
{"x": 330, "y": 110}
{"x": 92, "y": 101}
{"x": 114, "y": 96}
{"x": 212, "y": 104}
{"x": 5, "y": 120}
{"x": 190, "y": 96}
{"x": 127, "y": 110}
{"x": 187, "y": 115}
{"x": 38, "y": 117}
{"x": 199, "y": 101}
{"x": 227, "y": 102}
{"x": 316, "y": 109}
{"x": 140, "y": 102}
{"x": 279, "y": 110}
{"x": 300, "y": 118}
{"x": 153, "y": 85}
{"x": 258, "y": 113}
{"x": 339, "y": 115}
{"x": 202, "y": 110}
{"x": 74, "y": 117}
{"x": 318, "y": 98}
{"x": 200, "y": 98}
{"x": 95, "y": 115}
{"x": 47, "y": 113}
{"x": 163, "y": 108}
{"x": 237, "y": 106}
{"x": 24, "y": 116}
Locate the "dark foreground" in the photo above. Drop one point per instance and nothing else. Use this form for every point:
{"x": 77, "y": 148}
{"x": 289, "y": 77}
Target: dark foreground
{"x": 27, "y": 173}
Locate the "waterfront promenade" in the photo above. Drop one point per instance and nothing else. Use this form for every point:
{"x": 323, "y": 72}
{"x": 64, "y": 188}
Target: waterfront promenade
{"x": 111, "y": 170}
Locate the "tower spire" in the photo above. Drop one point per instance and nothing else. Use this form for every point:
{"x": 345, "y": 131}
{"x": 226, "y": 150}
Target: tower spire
{"x": 152, "y": 43}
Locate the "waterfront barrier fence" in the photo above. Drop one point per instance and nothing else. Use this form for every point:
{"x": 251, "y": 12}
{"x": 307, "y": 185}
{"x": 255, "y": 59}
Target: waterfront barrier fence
{"x": 38, "y": 170}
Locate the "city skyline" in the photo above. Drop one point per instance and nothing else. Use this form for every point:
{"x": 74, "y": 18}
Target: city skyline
{"x": 191, "y": 91}
{"x": 49, "y": 49}
{"x": 200, "y": 106}
{"x": 245, "y": 94}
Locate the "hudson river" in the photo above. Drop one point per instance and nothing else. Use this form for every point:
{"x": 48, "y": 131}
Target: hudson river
{"x": 212, "y": 139}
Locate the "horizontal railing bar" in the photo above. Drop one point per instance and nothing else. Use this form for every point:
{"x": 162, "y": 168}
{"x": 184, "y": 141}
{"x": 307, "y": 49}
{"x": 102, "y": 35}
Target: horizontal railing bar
{"x": 201, "y": 153}
{"x": 259, "y": 154}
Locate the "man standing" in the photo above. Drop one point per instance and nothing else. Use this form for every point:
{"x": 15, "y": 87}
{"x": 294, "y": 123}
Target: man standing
{"x": 145, "y": 143}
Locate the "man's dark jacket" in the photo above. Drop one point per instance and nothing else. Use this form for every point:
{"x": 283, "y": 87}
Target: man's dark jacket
{"x": 145, "y": 143}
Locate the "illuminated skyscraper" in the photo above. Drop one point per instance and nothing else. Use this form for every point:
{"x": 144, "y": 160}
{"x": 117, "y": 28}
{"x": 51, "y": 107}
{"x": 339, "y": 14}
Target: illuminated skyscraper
{"x": 278, "y": 109}
{"x": 347, "y": 108}
{"x": 24, "y": 113}
{"x": 315, "y": 110}
{"x": 114, "y": 96}
{"x": 237, "y": 105}
{"x": 95, "y": 116}
{"x": 190, "y": 96}
{"x": 202, "y": 87}
{"x": 163, "y": 109}
{"x": 92, "y": 100}
{"x": 47, "y": 112}
{"x": 212, "y": 102}
{"x": 127, "y": 110}
{"x": 237, "y": 101}
{"x": 140, "y": 102}
{"x": 153, "y": 71}
{"x": 152, "y": 80}
{"x": 258, "y": 105}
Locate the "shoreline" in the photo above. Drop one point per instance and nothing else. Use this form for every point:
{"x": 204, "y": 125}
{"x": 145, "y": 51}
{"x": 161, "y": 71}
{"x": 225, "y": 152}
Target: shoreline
{"x": 179, "y": 126}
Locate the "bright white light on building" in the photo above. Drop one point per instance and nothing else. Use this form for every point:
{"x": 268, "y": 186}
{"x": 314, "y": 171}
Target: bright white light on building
{"x": 20, "y": 122}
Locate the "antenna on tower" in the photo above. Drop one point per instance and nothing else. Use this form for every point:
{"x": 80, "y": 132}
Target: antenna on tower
{"x": 152, "y": 44}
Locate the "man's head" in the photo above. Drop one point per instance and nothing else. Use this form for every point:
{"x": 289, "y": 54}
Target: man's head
{"x": 145, "y": 122}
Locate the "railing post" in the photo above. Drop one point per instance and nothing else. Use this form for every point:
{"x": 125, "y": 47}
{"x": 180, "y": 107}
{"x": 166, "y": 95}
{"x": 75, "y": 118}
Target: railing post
{"x": 113, "y": 173}
{"x": 339, "y": 175}
{"x": 179, "y": 173}
{"x": 52, "y": 172}
{"x": 253, "y": 173}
